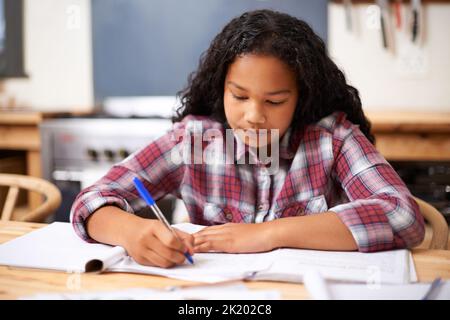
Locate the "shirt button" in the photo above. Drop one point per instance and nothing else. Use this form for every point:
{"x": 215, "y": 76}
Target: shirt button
{"x": 228, "y": 214}
{"x": 260, "y": 207}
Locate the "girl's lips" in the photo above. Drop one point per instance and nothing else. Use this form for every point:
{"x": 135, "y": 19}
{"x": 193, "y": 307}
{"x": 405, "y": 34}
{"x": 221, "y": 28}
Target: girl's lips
{"x": 255, "y": 130}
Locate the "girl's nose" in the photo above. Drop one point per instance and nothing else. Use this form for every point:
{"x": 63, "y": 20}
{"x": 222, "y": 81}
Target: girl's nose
{"x": 254, "y": 115}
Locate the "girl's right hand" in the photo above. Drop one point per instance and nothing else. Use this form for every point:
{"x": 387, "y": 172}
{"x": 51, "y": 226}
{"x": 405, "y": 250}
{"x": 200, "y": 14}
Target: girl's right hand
{"x": 150, "y": 243}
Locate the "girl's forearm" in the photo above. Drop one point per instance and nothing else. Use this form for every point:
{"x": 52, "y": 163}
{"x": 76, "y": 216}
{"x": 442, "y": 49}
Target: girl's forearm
{"x": 111, "y": 225}
{"x": 324, "y": 231}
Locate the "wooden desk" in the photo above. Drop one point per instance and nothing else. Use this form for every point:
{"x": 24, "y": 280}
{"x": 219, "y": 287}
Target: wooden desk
{"x": 16, "y": 282}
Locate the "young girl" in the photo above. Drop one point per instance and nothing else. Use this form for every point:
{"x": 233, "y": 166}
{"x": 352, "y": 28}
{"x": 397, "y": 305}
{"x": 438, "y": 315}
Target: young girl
{"x": 331, "y": 189}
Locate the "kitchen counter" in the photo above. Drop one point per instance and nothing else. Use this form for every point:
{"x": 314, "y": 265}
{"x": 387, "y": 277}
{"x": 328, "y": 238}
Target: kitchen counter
{"x": 19, "y": 130}
{"x": 402, "y": 136}
{"x": 409, "y": 122}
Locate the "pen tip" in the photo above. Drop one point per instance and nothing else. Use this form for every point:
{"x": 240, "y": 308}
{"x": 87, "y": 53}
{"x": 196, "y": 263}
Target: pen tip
{"x": 189, "y": 258}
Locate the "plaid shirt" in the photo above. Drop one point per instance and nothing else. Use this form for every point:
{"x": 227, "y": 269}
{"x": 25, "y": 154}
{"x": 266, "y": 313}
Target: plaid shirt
{"x": 329, "y": 166}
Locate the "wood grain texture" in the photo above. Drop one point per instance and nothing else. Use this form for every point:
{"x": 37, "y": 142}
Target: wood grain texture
{"x": 413, "y": 122}
{"x": 29, "y": 117}
{"x": 413, "y": 147}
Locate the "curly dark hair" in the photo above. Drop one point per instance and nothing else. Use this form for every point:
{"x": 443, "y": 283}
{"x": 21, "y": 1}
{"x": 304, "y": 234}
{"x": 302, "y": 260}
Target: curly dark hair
{"x": 324, "y": 89}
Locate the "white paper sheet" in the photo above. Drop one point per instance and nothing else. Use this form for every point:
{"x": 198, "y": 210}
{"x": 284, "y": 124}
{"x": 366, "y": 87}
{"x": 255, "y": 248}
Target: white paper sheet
{"x": 189, "y": 227}
{"x": 208, "y": 267}
{"x": 386, "y": 267}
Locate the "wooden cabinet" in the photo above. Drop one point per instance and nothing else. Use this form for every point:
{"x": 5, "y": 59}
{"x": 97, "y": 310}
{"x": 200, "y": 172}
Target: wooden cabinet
{"x": 412, "y": 136}
{"x": 20, "y": 131}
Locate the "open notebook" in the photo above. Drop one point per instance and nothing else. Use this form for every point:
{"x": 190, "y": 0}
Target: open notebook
{"x": 57, "y": 247}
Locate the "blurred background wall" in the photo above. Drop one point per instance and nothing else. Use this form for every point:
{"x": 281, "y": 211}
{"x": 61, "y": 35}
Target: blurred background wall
{"x": 58, "y": 58}
{"x": 407, "y": 77}
{"x": 79, "y": 51}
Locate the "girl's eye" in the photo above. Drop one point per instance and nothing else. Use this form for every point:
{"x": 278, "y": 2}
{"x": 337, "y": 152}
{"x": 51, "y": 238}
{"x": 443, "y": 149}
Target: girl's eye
{"x": 239, "y": 98}
{"x": 275, "y": 103}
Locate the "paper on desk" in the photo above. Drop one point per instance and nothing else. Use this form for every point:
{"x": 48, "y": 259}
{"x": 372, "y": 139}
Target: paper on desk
{"x": 56, "y": 247}
{"x": 189, "y": 227}
{"x": 208, "y": 267}
{"x": 220, "y": 292}
{"x": 345, "y": 291}
{"x": 290, "y": 265}
{"x": 387, "y": 267}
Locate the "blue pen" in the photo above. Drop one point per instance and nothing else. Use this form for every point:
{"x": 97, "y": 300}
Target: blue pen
{"x": 151, "y": 203}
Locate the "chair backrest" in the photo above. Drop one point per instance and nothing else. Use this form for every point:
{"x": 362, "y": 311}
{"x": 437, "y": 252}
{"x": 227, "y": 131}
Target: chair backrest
{"x": 45, "y": 188}
{"x": 438, "y": 224}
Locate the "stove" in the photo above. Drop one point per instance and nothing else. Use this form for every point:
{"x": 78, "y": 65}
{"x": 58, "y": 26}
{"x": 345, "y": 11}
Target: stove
{"x": 77, "y": 151}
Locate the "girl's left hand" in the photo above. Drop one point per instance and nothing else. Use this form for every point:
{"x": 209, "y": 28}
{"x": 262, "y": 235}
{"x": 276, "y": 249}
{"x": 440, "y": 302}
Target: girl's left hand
{"x": 233, "y": 238}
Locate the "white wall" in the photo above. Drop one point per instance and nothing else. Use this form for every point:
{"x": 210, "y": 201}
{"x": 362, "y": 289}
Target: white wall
{"x": 58, "y": 57}
{"x": 410, "y": 77}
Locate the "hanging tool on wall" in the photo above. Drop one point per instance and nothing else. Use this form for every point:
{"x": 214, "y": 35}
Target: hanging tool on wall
{"x": 416, "y": 15}
{"x": 398, "y": 13}
{"x": 348, "y": 14}
{"x": 383, "y": 5}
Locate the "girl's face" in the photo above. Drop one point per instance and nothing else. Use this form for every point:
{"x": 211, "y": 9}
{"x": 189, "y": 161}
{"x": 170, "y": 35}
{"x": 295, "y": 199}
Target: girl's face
{"x": 260, "y": 93}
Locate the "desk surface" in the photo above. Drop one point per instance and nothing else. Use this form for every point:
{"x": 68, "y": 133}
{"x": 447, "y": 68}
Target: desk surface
{"x": 16, "y": 282}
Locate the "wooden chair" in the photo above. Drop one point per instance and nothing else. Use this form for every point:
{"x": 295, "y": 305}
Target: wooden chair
{"x": 47, "y": 189}
{"x": 437, "y": 222}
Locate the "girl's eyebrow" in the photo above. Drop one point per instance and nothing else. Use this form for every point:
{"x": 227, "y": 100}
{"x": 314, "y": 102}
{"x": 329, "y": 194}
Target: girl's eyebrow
{"x": 267, "y": 93}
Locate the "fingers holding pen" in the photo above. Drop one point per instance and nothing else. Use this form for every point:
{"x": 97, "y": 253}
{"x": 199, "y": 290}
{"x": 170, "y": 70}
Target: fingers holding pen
{"x": 161, "y": 229}
{"x": 153, "y": 244}
{"x": 175, "y": 257}
{"x": 188, "y": 240}
{"x": 151, "y": 258}
{"x": 181, "y": 242}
